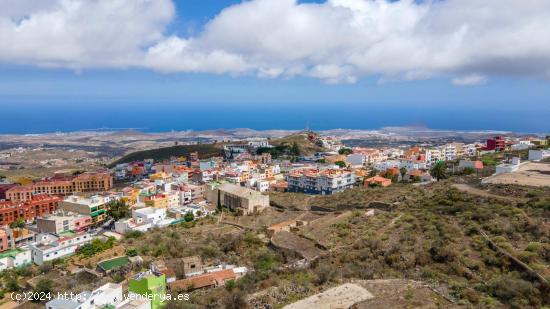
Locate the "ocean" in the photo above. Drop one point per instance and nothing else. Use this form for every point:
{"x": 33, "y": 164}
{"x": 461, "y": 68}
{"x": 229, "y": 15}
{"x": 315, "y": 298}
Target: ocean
{"x": 154, "y": 117}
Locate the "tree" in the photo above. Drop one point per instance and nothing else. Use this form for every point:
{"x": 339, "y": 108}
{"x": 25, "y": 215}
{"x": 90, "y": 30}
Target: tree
{"x": 373, "y": 172}
{"x": 341, "y": 164}
{"x": 189, "y": 217}
{"x": 131, "y": 252}
{"x": 19, "y": 223}
{"x": 403, "y": 172}
{"x": 439, "y": 170}
{"x": 43, "y": 287}
{"x": 295, "y": 149}
{"x": 345, "y": 151}
{"x": 11, "y": 283}
{"x": 118, "y": 209}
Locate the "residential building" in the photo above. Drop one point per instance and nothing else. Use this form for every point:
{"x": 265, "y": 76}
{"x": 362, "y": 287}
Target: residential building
{"x": 325, "y": 182}
{"x": 240, "y": 199}
{"x": 508, "y": 166}
{"x": 378, "y": 181}
{"x": 208, "y": 280}
{"x": 19, "y": 193}
{"x": 6, "y": 239}
{"x": 28, "y": 210}
{"x": 19, "y": 236}
{"x": 496, "y": 144}
{"x": 4, "y": 187}
{"x": 50, "y": 247}
{"x": 433, "y": 155}
{"x": 357, "y": 159}
{"x": 59, "y": 223}
{"x": 108, "y": 295}
{"x": 67, "y": 185}
{"x": 94, "y": 206}
{"x": 265, "y": 158}
{"x": 538, "y": 155}
{"x": 15, "y": 258}
{"x": 450, "y": 152}
{"x": 149, "y": 284}
{"x": 143, "y": 219}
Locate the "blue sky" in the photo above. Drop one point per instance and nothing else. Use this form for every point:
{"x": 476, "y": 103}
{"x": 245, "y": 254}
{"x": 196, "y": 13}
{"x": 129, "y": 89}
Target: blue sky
{"x": 251, "y": 81}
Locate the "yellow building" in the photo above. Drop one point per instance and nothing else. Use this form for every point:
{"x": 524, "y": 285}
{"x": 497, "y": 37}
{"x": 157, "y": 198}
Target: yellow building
{"x": 157, "y": 201}
{"x": 161, "y": 176}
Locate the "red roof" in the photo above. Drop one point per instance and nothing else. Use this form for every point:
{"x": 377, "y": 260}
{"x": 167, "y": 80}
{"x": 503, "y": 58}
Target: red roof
{"x": 478, "y": 165}
{"x": 210, "y": 279}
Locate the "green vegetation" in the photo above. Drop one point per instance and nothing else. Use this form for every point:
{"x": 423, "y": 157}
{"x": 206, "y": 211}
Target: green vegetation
{"x": 281, "y": 150}
{"x": 19, "y": 223}
{"x": 439, "y": 171}
{"x": 295, "y": 145}
{"x": 131, "y": 252}
{"x": 345, "y": 151}
{"x": 341, "y": 164}
{"x": 43, "y": 287}
{"x": 189, "y": 217}
{"x": 96, "y": 246}
{"x": 118, "y": 209}
{"x": 204, "y": 151}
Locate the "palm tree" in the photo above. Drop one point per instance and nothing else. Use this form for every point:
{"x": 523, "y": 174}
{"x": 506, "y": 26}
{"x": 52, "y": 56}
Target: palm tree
{"x": 403, "y": 172}
{"x": 439, "y": 170}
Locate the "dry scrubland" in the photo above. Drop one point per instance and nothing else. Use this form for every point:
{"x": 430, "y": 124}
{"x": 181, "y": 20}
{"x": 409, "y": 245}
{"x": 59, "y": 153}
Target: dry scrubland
{"x": 428, "y": 238}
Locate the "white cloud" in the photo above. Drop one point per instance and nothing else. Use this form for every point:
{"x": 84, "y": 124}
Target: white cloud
{"x": 337, "y": 41}
{"x": 80, "y": 34}
{"x": 470, "y": 80}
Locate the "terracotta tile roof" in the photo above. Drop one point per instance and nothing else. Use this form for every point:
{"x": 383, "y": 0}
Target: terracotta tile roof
{"x": 205, "y": 280}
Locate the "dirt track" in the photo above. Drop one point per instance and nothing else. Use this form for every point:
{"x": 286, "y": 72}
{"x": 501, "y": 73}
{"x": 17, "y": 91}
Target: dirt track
{"x": 471, "y": 190}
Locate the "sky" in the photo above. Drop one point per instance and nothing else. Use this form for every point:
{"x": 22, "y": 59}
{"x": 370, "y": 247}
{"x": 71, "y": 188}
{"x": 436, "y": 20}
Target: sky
{"x": 206, "y": 64}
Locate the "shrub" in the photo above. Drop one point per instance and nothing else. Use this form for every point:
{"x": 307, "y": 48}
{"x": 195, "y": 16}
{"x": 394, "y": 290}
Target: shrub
{"x": 96, "y": 246}
{"x": 43, "y": 286}
{"x": 131, "y": 252}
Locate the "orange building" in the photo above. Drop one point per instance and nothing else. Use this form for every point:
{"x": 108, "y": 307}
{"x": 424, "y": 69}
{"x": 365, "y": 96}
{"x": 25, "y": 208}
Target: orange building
{"x": 39, "y": 205}
{"x": 19, "y": 193}
{"x": 378, "y": 180}
{"x": 6, "y": 240}
{"x": 62, "y": 185}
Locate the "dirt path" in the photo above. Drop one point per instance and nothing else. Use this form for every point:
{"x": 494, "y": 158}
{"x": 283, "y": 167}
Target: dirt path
{"x": 471, "y": 190}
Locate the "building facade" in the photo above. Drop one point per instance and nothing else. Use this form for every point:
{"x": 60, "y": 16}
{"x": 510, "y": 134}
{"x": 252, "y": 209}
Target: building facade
{"x": 324, "y": 182}
{"x": 39, "y": 205}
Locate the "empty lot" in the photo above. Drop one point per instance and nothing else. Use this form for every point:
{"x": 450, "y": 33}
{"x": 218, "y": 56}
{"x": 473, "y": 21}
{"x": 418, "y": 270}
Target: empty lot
{"x": 529, "y": 174}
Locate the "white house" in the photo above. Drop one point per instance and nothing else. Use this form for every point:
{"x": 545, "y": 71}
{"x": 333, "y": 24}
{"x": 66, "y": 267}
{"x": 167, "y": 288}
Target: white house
{"x": 508, "y": 167}
{"x": 15, "y": 258}
{"x": 143, "y": 219}
{"x": 50, "y": 247}
{"x": 108, "y": 295}
{"x": 357, "y": 159}
{"x": 537, "y": 155}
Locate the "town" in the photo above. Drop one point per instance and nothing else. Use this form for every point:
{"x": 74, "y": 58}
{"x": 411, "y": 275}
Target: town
{"x": 86, "y": 223}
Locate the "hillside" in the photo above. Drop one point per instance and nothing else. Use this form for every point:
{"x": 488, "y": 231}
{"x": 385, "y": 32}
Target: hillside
{"x": 204, "y": 150}
{"x": 306, "y": 146}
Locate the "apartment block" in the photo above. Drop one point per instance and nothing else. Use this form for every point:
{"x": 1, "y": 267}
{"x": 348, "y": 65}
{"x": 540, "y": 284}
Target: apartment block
{"x": 39, "y": 205}
{"x": 56, "y": 224}
{"x": 324, "y": 182}
{"x": 240, "y": 199}
{"x": 95, "y": 206}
